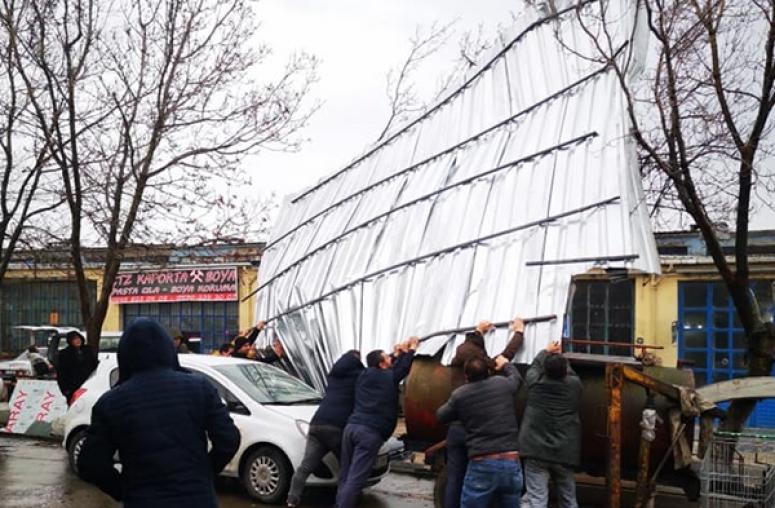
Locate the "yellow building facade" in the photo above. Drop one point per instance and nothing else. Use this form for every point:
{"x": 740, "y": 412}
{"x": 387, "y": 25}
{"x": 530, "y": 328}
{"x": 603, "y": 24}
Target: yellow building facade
{"x": 39, "y": 289}
{"x": 659, "y": 315}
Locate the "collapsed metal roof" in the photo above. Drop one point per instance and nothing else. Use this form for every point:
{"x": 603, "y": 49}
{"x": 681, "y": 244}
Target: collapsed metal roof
{"x": 484, "y": 206}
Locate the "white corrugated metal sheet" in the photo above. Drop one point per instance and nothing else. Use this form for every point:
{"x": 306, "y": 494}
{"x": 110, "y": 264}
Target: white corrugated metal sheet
{"x": 459, "y": 215}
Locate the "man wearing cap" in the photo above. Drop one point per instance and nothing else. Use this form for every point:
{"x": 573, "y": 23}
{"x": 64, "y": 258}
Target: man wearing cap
{"x": 244, "y": 346}
{"x": 75, "y": 364}
{"x": 486, "y": 407}
{"x": 179, "y": 341}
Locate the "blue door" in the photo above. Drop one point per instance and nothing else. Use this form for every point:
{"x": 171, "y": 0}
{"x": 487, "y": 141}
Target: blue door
{"x": 712, "y": 338}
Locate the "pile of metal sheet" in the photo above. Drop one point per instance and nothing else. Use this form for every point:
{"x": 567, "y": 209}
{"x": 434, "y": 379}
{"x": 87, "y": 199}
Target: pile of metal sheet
{"x": 484, "y": 206}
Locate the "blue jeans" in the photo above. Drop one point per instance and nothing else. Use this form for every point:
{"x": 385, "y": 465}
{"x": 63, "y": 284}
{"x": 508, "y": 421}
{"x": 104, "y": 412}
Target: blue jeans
{"x": 457, "y": 463}
{"x": 491, "y": 480}
{"x": 360, "y": 445}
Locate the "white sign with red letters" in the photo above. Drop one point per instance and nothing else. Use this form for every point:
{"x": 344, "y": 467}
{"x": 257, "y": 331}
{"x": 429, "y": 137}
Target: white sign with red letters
{"x": 34, "y": 406}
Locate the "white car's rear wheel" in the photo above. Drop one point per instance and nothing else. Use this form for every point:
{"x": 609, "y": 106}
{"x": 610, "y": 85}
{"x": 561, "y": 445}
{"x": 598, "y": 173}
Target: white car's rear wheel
{"x": 267, "y": 475}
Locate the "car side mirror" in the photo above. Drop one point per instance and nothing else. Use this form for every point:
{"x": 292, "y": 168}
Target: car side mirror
{"x": 237, "y": 407}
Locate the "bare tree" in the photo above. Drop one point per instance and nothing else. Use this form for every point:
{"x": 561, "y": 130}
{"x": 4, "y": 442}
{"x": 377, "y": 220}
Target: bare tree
{"x": 404, "y": 100}
{"x": 144, "y": 107}
{"x": 24, "y": 174}
{"x": 701, "y": 119}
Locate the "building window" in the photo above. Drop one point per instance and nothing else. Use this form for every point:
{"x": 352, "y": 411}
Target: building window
{"x": 711, "y": 337}
{"x": 602, "y": 311}
{"x": 712, "y": 340}
{"x": 31, "y": 302}
{"x": 214, "y": 322}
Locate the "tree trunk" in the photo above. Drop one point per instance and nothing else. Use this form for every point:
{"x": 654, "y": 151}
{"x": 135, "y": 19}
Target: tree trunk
{"x": 760, "y": 357}
{"x": 94, "y": 330}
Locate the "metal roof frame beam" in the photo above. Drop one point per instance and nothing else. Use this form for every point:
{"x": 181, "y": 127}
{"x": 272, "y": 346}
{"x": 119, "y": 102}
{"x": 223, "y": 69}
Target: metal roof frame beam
{"x": 469, "y": 180}
{"x": 444, "y": 101}
{"x": 444, "y": 152}
{"x": 470, "y": 243}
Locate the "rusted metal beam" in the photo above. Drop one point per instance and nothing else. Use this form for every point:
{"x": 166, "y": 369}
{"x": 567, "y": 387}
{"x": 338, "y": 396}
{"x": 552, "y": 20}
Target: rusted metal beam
{"x": 635, "y": 376}
{"x": 648, "y": 425}
{"x": 614, "y": 380}
{"x": 595, "y": 359}
{"x": 588, "y": 342}
{"x": 641, "y": 487}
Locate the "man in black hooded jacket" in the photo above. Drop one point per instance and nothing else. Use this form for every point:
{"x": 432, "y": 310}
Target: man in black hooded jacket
{"x": 159, "y": 418}
{"x": 75, "y": 364}
{"x": 325, "y": 430}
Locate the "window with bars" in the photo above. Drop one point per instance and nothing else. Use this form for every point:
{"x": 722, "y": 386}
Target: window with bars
{"x": 710, "y": 334}
{"x": 31, "y": 302}
{"x": 602, "y": 311}
{"x": 214, "y": 322}
{"x": 712, "y": 339}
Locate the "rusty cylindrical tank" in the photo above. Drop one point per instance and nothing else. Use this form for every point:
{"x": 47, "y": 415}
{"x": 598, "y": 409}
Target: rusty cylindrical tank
{"x": 429, "y": 385}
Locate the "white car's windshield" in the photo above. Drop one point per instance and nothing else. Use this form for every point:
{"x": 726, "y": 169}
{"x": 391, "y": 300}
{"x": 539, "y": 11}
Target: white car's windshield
{"x": 269, "y": 385}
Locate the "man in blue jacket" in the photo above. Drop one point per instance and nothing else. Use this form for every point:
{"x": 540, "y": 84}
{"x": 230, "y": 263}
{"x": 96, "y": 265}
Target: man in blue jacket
{"x": 159, "y": 418}
{"x": 373, "y": 419}
{"x": 325, "y": 429}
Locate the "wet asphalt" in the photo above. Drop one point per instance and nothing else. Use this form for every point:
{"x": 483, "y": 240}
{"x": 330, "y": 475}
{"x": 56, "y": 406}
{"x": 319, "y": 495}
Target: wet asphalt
{"x": 35, "y": 473}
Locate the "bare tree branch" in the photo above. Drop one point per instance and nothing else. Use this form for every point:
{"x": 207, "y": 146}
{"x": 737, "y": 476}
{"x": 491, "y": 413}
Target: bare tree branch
{"x": 701, "y": 120}
{"x": 143, "y": 107}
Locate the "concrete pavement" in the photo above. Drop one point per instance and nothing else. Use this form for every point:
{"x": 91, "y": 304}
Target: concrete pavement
{"x": 35, "y": 474}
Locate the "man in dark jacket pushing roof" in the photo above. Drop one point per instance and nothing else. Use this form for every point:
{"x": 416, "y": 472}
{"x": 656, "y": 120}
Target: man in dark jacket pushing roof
{"x": 486, "y": 407}
{"x": 159, "y": 418}
{"x": 325, "y": 430}
{"x": 373, "y": 420}
{"x": 472, "y": 347}
{"x": 550, "y": 438}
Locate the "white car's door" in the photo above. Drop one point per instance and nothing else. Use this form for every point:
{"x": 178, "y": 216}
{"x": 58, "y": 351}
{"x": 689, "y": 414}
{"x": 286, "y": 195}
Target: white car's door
{"x": 238, "y": 411}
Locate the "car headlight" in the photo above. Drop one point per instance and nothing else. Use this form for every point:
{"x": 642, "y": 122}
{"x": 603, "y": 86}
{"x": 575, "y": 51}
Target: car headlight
{"x": 303, "y": 427}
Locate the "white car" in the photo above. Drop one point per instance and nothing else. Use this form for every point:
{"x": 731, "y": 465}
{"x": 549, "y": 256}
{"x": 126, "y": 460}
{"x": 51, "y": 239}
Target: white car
{"x": 20, "y": 366}
{"x": 271, "y": 409}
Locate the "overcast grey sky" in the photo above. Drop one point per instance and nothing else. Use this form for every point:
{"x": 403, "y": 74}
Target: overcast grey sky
{"x": 358, "y": 41}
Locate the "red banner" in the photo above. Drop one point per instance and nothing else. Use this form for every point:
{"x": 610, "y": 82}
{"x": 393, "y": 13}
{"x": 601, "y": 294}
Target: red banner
{"x": 191, "y": 285}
